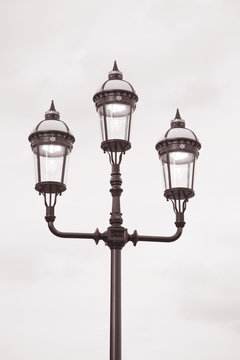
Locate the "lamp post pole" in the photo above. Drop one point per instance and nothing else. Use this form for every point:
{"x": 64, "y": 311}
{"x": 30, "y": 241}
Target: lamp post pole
{"x": 115, "y": 306}
{"x": 115, "y": 297}
{"x": 52, "y": 142}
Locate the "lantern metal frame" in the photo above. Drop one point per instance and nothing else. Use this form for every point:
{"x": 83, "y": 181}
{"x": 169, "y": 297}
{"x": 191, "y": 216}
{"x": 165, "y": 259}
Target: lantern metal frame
{"x": 105, "y": 97}
{"x": 51, "y": 137}
{"x": 165, "y": 147}
{"x": 179, "y": 196}
{"x": 116, "y": 236}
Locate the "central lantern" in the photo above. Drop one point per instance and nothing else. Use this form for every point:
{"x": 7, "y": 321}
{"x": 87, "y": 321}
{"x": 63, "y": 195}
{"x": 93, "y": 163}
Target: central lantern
{"x": 115, "y": 103}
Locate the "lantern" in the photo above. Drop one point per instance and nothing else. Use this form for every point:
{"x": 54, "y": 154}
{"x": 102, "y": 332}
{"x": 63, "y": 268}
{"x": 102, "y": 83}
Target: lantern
{"x": 51, "y": 143}
{"x": 115, "y": 103}
{"x": 178, "y": 152}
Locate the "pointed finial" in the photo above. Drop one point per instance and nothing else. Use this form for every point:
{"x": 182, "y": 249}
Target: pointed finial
{"x": 178, "y": 115}
{"x": 178, "y": 121}
{"x": 115, "y": 67}
{"x": 52, "y": 113}
{"x": 52, "y": 107}
{"x": 115, "y": 73}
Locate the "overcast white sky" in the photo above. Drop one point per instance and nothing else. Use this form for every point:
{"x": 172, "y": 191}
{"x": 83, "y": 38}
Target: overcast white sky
{"x": 181, "y": 301}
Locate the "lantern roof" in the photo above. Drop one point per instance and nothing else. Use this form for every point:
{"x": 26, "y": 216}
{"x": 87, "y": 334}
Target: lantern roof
{"x": 180, "y": 133}
{"x": 178, "y": 129}
{"x": 52, "y": 122}
{"x": 115, "y": 81}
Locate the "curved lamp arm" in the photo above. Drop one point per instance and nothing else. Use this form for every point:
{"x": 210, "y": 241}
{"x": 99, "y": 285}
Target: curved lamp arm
{"x": 179, "y": 224}
{"x": 96, "y": 236}
{"x": 50, "y": 218}
{"x": 135, "y": 237}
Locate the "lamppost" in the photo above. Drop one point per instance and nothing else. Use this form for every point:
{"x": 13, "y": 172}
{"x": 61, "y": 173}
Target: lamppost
{"x": 52, "y": 142}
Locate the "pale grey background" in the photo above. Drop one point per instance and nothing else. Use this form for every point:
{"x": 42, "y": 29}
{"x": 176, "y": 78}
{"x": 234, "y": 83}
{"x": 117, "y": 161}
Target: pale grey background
{"x": 181, "y": 301}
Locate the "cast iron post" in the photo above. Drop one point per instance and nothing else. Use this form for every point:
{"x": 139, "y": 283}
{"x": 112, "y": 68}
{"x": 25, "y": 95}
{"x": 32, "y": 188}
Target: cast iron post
{"x": 115, "y": 306}
{"x": 116, "y": 240}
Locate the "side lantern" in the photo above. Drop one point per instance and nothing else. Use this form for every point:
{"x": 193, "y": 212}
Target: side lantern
{"x": 51, "y": 143}
{"x": 178, "y": 152}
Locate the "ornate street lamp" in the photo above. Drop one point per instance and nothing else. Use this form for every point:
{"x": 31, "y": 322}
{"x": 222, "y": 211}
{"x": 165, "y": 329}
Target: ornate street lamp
{"x": 51, "y": 142}
{"x": 115, "y": 102}
{"x": 178, "y": 152}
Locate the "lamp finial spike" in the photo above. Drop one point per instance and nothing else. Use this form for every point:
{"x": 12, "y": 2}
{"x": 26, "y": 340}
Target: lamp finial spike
{"x": 115, "y": 67}
{"x": 178, "y": 116}
{"x": 178, "y": 121}
{"x": 52, "y": 107}
{"x": 52, "y": 113}
{"x": 115, "y": 73}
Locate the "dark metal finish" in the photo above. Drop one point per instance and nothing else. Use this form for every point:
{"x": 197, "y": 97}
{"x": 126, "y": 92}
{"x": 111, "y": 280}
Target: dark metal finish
{"x": 135, "y": 237}
{"x": 193, "y": 175}
{"x": 116, "y": 191}
{"x": 41, "y": 137}
{"x": 178, "y": 193}
{"x": 38, "y": 167}
{"x": 115, "y": 305}
{"x": 115, "y": 91}
{"x": 50, "y": 187}
{"x": 114, "y": 146}
{"x": 116, "y": 236}
{"x": 177, "y": 121}
{"x": 115, "y": 96}
{"x": 105, "y": 96}
{"x": 178, "y": 144}
{"x": 115, "y": 73}
{"x": 51, "y": 137}
{"x": 181, "y": 143}
{"x": 179, "y": 198}
{"x": 96, "y": 236}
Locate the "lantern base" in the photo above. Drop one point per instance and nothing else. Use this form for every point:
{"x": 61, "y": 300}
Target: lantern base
{"x": 117, "y": 145}
{"x": 180, "y": 193}
{"x": 50, "y": 187}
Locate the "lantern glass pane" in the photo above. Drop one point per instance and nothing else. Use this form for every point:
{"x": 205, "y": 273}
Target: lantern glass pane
{"x": 52, "y": 125}
{"x": 178, "y": 169}
{"x": 115, "y": 121}
{"x": 51, "y": 162}
{"x": 118, "y": 85}
{"x": 165, "y": 175}
{"x": 180, "y": 132}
